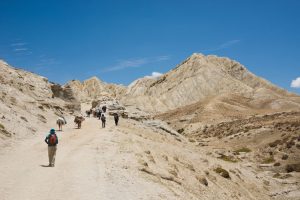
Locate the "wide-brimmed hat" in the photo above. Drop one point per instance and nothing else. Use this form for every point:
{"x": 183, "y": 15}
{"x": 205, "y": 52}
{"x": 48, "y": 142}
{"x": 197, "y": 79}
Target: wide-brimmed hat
{"x": 52, "y": 130}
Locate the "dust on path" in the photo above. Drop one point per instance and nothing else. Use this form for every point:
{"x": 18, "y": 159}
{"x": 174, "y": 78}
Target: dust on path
{"x": 91, "y": 163}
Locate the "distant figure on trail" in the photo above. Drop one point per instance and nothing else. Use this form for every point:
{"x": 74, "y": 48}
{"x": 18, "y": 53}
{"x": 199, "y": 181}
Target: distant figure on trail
{"x": 78, "y": 120}
{"x": 60, "y": 122}
{"x": 52, "y": 142}
{"x": 88, "y": 113}
{"x": 104, "y": 109}
{"x": 116, "y": 118}
{"x": 99, "y": 113}
{"x": 103, "y": 119}
{"x": 94, "y": 113}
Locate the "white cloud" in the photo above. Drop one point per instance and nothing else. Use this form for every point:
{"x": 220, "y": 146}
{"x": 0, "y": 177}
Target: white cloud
{"x": 225, "y": 45}
{"x": 161, "y": 58}
{"x": 134, "y": 63}
{"x": 296, "y": 83}
{"x": 127, "y": 64}
{"x": 18, "y": 44}
{"x": 154, "y": 75}
{"x": 20, "y": 49}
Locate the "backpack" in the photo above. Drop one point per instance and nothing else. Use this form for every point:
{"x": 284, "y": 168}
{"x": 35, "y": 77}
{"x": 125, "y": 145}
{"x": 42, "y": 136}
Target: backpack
{"x": 52, "y": 139}
{"x": 103, "y": 117}
{"x": 64, "y": 120}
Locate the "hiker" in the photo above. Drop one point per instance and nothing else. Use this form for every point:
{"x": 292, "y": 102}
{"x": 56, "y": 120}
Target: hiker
{"x": 60, "y": 122}
{"x": 87, "y": 113}
{"x": 116, "y": 118}
{"x": 52, "y": 142}
{"x": 78, "y": 120}
{"x": 99, "y": 113}
{"x": 103, "y": 119}
{"x": 104, "y": 109}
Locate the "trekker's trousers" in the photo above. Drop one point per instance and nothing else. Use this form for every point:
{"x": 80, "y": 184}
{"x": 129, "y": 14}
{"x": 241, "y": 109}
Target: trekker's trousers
{"x": 51, "y": 154}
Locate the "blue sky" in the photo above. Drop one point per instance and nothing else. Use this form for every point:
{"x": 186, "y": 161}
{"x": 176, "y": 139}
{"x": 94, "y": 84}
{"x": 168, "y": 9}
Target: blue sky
{"x": 120, "y": 41}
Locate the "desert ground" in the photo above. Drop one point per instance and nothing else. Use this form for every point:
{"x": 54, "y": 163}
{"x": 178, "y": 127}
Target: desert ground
{"x": 129, "y": 161}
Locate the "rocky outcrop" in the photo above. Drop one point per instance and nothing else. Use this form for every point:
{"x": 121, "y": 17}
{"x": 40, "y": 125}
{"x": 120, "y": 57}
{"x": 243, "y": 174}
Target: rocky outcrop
{"x": 28, "y": 101}
{"x": 95, "y": 89}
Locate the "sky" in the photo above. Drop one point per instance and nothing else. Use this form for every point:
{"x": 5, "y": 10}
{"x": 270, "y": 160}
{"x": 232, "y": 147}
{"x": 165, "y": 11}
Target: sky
{"x": 122, "y": 40}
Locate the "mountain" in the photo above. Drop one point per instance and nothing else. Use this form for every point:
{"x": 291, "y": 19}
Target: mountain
{"x": 200, "y": 78}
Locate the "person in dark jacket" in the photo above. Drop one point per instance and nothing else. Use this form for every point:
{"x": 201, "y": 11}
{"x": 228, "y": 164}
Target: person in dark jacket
{"x": 116, "y": 118}
{"x": 99, "y": 113}
{"x": 104, "y": 109}
{"x": 52, "y": 141}
{"x": 103, "y": 119}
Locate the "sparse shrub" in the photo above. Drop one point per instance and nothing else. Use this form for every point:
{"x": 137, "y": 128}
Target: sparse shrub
{"x": 180, "y": 130}
{"x": 13, "y": 100}
{"x": 151, "y": 158}
{"x": 268, "y": 160}
{"x": 228, "y": 158}
{"x": 147, "y": 152}
{"x": 5, "y": 132}
{"x": 275, "y": 143}
{"x": 173, "y": 172}
{"x": 142, "y": 162}
{"x": 285, "y": 157}
{"x": 290, "y": 144}
{"x": 266, "y": 182}
{"x": 190, "y": 167}
{"x": 23, "y": 118}
{"x": 293, "y": 167}
{"x": 42, "y": 118}
{"x": 276, "y": 164}
{"x": 289, "y": 168}
{"x": 224, "y": 173}
{"x": 165, "y": 157}
{"x": 243, "y": 149}
{"x": 202, "y": 180}
{"x": 277, "y": 175}
{"x": 176, "y": 158}
{"x": 192, "y": 140}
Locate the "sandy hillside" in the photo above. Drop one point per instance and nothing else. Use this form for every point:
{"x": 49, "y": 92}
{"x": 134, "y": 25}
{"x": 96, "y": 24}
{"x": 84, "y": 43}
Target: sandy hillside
{"x": 131, "y": 161}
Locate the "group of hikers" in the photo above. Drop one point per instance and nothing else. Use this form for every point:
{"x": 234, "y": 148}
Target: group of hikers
{"x": 52, "y": 139}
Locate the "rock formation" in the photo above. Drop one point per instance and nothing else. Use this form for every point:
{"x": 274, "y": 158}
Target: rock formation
{"x": 93, "y": 89}
{"x": 27, "y": 101}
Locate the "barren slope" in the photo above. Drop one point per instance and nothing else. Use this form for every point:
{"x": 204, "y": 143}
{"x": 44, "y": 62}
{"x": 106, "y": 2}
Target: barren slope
{"x": 132, "y": 161}
{"x": 27, "y": 101}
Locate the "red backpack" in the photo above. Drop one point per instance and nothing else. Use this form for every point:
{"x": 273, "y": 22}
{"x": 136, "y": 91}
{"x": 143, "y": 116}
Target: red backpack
{"x": 52, "y": 139}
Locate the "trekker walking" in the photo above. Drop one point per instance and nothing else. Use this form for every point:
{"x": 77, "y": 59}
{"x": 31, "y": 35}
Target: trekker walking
{"x": 104, "y": 109}
{"x": 52, "y": 142}
{"x": 103, "y": 119}
{"x": 99, "y": 114}
{"x": 78, "y": 120}
{"x": 116, "y": 118}
{"x": 60, "y": 122}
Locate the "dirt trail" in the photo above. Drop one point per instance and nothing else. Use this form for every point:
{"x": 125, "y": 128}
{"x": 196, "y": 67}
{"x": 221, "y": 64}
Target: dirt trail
{"x": 91, "y": 163}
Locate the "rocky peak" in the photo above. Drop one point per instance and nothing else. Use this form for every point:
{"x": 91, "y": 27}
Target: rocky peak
{"x": 197, "y": 78}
